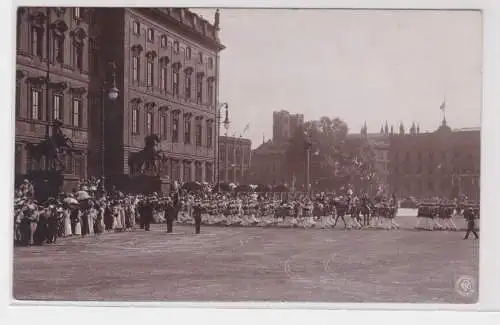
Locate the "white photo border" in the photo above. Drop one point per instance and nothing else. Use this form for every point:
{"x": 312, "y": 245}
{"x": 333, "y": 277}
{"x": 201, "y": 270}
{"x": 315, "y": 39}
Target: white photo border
{"x": 489, "y": 271}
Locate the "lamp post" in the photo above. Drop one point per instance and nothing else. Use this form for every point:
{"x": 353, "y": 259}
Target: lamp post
{"x": 307, "y": 147}
{"x": 108, "y": 90}
{"x": 222, "y": 106}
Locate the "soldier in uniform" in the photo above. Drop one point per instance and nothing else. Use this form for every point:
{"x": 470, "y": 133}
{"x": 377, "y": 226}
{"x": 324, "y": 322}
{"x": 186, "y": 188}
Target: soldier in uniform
{"x": 171, "y": 213}
{"x": 197, "y": 211}
{"x": 470, "y": 217}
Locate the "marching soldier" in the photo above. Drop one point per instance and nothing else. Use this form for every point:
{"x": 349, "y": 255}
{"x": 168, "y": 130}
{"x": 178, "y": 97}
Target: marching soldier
{"x": 470, "y": 217}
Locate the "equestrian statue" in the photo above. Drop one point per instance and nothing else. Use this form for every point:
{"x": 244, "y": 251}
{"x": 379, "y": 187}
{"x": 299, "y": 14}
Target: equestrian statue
{"x": 145, "y": 161}
{"x": 54, "y": 147}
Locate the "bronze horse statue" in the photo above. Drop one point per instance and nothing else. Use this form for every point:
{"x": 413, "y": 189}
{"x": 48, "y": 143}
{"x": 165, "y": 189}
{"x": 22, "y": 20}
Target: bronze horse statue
{"x": 147, "y": 157}
{"x": 52, "y": 147}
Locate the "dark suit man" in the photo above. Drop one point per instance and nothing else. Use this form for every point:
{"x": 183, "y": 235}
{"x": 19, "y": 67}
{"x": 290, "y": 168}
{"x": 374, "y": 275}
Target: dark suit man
{"x": 171, "y": 212}
{"x": 469, "y": 216}
{"x": 197, "y": 211}
{"x": 146, "y": 212}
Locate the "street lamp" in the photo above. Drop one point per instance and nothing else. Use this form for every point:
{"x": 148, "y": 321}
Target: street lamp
{"x": 110, "y": 91}
{"x": 307, "y": 147}
{"x": 222, "y": 106}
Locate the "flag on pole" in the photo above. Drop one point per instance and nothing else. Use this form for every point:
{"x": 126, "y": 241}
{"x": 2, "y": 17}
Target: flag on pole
{"x": 443, "y": 106}
{"x": 246, "y": 127}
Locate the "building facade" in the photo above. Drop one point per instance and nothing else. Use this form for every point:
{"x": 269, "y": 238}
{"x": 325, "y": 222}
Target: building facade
{"x": 268, "y": 161}
{"x": 166, "y": 66}
{"x": 234, "y": 159}
{"x": 444, "y": 163}
{"x": 285, "y": 125}
{"x": 52, "y": 82}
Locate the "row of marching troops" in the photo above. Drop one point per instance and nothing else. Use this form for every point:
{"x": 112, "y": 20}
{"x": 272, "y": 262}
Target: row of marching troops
{"x": 438, "y": 215}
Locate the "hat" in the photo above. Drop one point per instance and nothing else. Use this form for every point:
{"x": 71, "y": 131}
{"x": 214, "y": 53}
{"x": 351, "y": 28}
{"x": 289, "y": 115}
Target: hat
{"x": 26, "y": 181}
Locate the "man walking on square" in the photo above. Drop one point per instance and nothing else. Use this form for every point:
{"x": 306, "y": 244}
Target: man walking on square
{"x": 469, "y": 216}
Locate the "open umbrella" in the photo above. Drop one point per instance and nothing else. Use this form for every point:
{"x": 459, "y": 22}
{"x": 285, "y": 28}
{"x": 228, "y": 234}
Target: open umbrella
{"x": 82, "y": 195}
{"x": 244, "y": 188}
{"x": 280, "y": 188}
{"x": 192, "y": 186}
{"x": 263, "y": 188}
{"x": 70, "y": 200}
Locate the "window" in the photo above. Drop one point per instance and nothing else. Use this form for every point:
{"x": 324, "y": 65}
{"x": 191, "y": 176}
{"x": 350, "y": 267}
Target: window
{"x": 78, "y": 55}
{"x": 199, "y": 89}
{"x": 210, "y": 92}
{"x": 238, "y": 156}
{"x": 18, "y": 98}
{"x": 210, "y": 63}
{"x": 198, "y": 134}
{"x": 209, "y": 135}
{"x": 77, "y": 113}
{"x": 176, "y": 47}
{"x": 76, "y": 13}
{"x": 135, "y": 68}
{"x": 175, "y": 128}
{"x": 149, "y": 123}
{"x": 187, "y": 130}
{"x": 136, "y": 27}
{"x": 187, "y": 172}
{"x": 163, "y": 79}
{"x": 149, "y": 73}
{"x": 57, "y": 104}
{"x": 208, "y": 172}
{"x": 163, "y": 126}
{"x": 198, "y": 172}
{"x": 58, "y": 49}
{"x": 200, "y": 57}
{"x": 175, "y": 82}
{"x": 37, "y": 41}
{"x": 135, "y": 120}
{"x": 188, "y": 85}
{"x": 151, "y": 35}
{"x": 36, "y": 107}
{"x": 222, "y": 153}
{"x": 188, "y": 53}
{"x": 163, "y": 41}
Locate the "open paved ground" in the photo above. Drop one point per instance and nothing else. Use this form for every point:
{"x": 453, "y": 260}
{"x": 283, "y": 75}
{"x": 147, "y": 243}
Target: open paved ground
{"x": 251, "y": 264}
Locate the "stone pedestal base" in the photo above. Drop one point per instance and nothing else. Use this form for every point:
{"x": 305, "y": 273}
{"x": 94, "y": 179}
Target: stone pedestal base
{"x": 139, "y": 184}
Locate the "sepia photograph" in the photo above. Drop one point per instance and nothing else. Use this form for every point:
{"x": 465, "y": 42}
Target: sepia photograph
{"x": 247, "y": 155}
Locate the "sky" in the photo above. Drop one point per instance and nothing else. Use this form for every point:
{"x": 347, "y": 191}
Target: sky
{"x": 359, "y": 65}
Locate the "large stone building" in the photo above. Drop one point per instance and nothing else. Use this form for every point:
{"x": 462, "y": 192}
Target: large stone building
{"x": 167, "y": 63}
{"x": 444, "y": 163}
{"x": 285, "y": 125}
{"x": 52, "y": 82}
{"x": 267, "y": 164}
{"x": 235, "y": 158}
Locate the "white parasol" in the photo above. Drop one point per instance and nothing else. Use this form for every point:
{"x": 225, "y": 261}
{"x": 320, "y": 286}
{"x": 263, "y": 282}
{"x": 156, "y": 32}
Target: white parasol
{"x": 82, "y": 195}
{"x": 70, "y": 200}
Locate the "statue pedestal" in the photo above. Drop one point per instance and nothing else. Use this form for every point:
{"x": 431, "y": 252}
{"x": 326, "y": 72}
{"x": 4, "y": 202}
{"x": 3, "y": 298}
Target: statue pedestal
{"x": 149, "y": 183}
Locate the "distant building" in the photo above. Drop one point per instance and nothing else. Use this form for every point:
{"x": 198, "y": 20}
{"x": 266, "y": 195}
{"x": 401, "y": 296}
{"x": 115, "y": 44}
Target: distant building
{"x": 285, "y": 125}
{"x": 267, "y": 164}
{"x": 444, "y": 163}
{"x": 235, "y": 158}
{"x": 379, "y": 143}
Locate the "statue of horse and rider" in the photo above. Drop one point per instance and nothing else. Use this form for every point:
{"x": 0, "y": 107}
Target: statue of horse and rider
{"x": 145, "y": 161}
{"x": 54, "y": 147}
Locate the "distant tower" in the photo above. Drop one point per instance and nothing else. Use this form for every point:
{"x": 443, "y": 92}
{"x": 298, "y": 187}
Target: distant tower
{"x": 401, "y": 129}
{"x": 386, "y": 129}
{"x": 382, "y": 129}
{"x": 217, "y": 19}
{"x": 392, "y": 129}
{"x": 364, "y": 130}
{"x": 418, "y": 128}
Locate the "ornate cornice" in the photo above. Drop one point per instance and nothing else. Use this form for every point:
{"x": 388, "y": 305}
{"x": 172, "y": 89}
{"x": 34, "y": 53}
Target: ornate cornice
{"x": 78, "y": 34}
{"x": 164, "y": 60}
{"x": 151, "y": 55}
{"x": 210, "y": 120}
{"x": 37, "y": 81}
{"x": 188, "y": 115}
{"x": 38, "y": 19}
{"x": 163, "y": 108}
{"x": 60, "y": 86}
{"x": 199, "y": 117}
{"x": 59, "y": 11}
{"x": 136, "y": 101}
{"x": 137, "y": 49}
{"x": 211, "y": 79}
{"x": 59, "y": 27}
{"x": 188, "y": 70}
{"x": 177, "y": 65}
{"x": 200, "y": 74}
{"x": 20, "y": 74}
{"x": 78, "y": 90}
{"x": 176, "y": 111}
{"x": 149, "y": 105}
